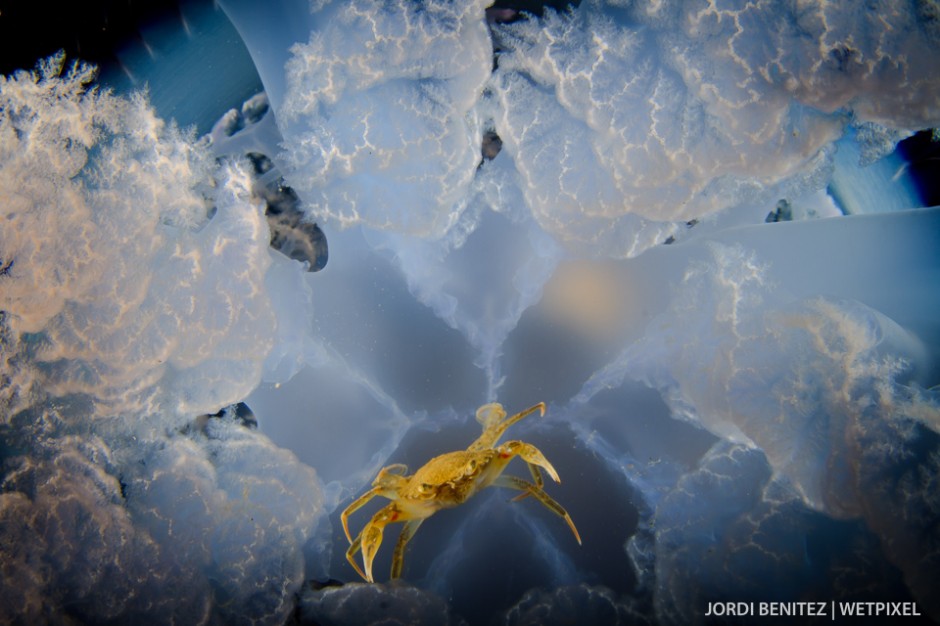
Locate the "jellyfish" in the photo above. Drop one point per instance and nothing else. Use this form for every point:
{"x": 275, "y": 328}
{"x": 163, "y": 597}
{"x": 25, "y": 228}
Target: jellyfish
{"x": 697, "y": 242}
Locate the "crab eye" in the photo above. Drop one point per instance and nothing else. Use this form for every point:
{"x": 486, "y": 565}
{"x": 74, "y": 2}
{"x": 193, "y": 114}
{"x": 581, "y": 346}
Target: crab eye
{"x": 471, "y": 466}
{"x": 426, "y": 488}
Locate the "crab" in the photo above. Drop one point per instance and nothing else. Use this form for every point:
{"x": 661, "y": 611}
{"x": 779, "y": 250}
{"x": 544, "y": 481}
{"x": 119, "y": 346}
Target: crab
{"x": 447, "y": 481}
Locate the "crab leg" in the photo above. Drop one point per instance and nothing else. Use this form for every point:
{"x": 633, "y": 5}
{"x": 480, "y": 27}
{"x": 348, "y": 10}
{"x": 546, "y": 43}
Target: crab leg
{"x": 355, "y": 506}
{"x": 398, "y": 558}
{"x": 537, "y": 476}
{"x": 385, "y": 484}
{"x": 354, "y": 547}
{"x": 491, "y": 434}
{"x": 513, "y": 482}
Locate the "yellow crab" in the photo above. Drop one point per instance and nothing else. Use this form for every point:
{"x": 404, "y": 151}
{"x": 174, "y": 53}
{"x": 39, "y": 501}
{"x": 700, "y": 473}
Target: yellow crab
{"x": 446, "y": 481}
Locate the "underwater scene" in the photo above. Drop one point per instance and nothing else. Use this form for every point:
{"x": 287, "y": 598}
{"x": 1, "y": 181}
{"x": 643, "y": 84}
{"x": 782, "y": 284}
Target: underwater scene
{"x": 287, "y": 287}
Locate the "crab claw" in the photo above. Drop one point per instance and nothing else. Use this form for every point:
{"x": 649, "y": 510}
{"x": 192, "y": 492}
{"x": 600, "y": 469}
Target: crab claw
{"x": 371, "y": 540}
{"x": 490, "y": 414}
{"x": 530, "y": 454}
